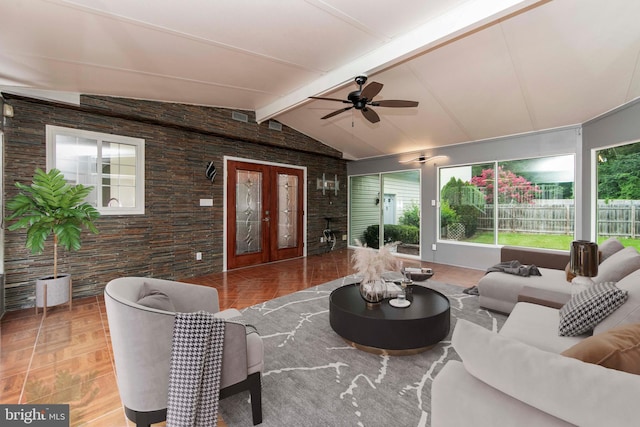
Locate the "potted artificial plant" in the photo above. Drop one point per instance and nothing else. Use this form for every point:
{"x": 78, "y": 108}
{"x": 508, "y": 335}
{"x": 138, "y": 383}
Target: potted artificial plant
{"x": 49, "y": 206}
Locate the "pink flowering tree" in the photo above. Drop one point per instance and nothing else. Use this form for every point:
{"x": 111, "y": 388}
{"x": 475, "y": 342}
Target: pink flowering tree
{"x": 512, "y": 188}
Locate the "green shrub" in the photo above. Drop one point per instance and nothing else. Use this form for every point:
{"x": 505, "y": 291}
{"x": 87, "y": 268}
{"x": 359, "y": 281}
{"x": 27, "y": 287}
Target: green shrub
{"x": 411, "y": 216}
{"x": 468, "y": 215}
{"x": 370, "y": 236}
{"x": 447, "y": 214}
{"x": 392, "y": 233}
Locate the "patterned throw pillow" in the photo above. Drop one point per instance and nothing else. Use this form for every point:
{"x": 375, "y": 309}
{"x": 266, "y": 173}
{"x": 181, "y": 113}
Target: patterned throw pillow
{"x": 586, "y": 309}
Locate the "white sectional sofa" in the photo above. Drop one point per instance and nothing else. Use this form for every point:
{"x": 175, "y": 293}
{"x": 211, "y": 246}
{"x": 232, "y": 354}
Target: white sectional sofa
{"x": 499, "y": 291}
{"x": 528, "y": 375}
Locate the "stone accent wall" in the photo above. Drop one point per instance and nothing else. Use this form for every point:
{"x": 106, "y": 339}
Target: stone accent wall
{"x": 180, "y": 140}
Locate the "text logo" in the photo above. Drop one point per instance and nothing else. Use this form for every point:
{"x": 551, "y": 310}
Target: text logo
{"x": 34, "y": 415}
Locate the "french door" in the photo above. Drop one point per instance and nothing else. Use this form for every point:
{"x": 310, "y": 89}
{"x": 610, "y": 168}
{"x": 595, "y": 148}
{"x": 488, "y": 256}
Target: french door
{"x": 265, "y": 213}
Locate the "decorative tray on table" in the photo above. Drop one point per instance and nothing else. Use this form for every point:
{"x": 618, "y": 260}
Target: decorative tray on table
{"x": 418, "y": 274}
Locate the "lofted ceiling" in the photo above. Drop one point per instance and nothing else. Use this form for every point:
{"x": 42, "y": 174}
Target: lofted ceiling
{"x": 478, "y": 68}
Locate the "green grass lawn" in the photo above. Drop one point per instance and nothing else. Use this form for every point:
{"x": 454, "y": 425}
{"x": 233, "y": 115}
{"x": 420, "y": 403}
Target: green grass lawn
{"x": 561, "y": 242}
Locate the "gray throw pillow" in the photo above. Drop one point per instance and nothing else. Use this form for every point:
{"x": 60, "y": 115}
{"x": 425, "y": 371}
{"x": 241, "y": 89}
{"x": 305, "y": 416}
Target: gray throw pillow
{"x": 618, "y": 265}
{"x": 154, "y": 298}
{"x": 586, "y": 309}
{"x": 609, "y": 247}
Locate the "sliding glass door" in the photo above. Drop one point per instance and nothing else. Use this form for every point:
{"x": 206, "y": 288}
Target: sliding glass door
{"x": 385, "y": 208}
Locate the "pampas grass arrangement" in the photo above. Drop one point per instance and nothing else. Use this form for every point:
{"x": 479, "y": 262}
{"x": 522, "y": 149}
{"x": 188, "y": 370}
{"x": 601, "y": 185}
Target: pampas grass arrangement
{"x": 370, "y": 264}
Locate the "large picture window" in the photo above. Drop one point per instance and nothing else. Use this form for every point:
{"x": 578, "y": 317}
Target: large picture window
{"x": 527, "y": 202}
{"x": 618, "y": 201}
{"x": 386, "y": 208}
{"x": 112, "y": 164}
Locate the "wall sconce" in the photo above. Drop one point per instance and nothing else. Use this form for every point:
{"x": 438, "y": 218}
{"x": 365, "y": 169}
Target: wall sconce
{"x": 7, "y": 110}
{"x": 324, "y": 184}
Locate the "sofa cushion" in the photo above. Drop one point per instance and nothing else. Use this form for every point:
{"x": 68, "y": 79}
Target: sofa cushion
{"x": 576, "y": 392}
{"x": 609, "y": 247}
{"x": 618, "y": 265}
{"x": 154, "y": 298}
{"x": 537, "y": 325}
{"x": 499, "y": 291}
{"x": 483, "y": 406}
{"x": 586, "y": 309}
{"x": 618, "y": 348}
{"x": 629, "y": 312}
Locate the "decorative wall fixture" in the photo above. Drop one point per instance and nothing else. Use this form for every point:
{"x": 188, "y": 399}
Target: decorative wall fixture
{"x": 211, "y": 171}
{"x": 421, "y": 159}
{"x": 324, "y": 184}
{"x": 7, "y": 110}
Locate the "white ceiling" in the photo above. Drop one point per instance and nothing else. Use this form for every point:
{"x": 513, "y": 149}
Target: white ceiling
{"x": 479, "y": 68}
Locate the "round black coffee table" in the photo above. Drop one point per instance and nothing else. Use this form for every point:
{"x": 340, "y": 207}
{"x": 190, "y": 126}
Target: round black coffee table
{"x": 389, "y": 329}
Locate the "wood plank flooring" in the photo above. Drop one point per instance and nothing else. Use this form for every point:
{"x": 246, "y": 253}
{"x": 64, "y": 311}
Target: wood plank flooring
{"x": 66, "y": 358}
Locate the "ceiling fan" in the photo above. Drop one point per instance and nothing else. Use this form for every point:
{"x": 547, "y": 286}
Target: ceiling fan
{"x": 362, "y": 99}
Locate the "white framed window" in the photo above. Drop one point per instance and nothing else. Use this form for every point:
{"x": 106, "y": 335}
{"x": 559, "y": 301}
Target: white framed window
{"x": 520, "y": 202}
{"x": 112, "y": 164}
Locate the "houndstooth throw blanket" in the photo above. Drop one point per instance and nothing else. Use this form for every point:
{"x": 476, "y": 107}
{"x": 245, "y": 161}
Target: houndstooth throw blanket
{"x": 194, "y": 375}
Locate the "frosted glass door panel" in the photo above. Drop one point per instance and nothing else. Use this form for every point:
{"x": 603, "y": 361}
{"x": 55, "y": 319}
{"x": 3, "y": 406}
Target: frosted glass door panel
{"x": 287, "y": 211}
{"x": 248, "y": 212}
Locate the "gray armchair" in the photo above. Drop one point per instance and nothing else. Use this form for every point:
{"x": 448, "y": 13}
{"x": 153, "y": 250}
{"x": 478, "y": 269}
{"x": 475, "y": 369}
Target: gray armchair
{"x": 141, "y": 338}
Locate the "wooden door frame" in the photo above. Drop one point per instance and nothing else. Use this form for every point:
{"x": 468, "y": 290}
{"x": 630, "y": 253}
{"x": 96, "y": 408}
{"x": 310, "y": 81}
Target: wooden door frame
{"x": 225, "y": 224}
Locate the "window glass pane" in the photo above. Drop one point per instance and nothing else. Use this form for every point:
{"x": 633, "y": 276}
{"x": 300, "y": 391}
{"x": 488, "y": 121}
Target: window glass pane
{"x": 466, "y": 203}
{"x": 618, "y": 206}
{"x": 364, "y": 210}
{"x": 248, "y": 212}
{"x": 535, "y": 202}
{"x": 118, "y": 175}
{"x": 76, "y": 158}
{"x": 401, "y": 210}
{"x": 287, "y": 211}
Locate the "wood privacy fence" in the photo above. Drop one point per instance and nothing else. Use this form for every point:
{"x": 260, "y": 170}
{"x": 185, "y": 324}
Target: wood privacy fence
{"x": 620, "y": 218}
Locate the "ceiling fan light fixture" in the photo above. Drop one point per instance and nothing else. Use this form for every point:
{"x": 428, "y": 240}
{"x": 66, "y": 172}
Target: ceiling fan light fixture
{"x": 422, "y": 159}
{"x": 362, "y": 99}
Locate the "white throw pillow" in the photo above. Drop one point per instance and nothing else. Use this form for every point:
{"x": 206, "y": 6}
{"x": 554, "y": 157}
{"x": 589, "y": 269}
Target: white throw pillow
{"x": 629, "y": 312}
{"x": 579, "y": 393}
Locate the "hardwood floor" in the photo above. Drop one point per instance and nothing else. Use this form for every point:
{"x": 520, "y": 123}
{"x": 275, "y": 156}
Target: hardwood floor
{"x": 66, "y": 358}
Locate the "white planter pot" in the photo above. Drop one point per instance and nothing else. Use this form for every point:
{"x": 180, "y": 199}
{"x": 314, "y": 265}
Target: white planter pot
{"x": 51, "y": 292}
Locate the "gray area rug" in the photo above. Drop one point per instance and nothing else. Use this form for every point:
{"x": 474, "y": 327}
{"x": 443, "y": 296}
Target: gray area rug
{"x": 312, "y": 377}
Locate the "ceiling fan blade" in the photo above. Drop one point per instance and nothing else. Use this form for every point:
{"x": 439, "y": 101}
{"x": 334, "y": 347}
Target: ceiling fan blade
{"x": 371, "y": 90}
{"x": 330, "y": 99}
{"x": 335, "y": 113}
{"x": 370, "y": 115}
{"x": 396, "y": 103}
